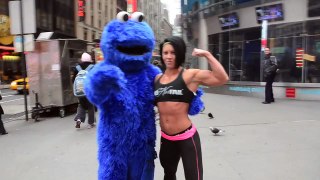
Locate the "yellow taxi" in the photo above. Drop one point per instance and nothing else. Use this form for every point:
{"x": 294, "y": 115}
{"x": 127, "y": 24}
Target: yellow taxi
{"x": 18, "y": 85}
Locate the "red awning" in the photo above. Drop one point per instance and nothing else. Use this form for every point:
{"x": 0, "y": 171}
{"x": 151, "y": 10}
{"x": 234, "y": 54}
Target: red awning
{"x": 7, "y": 48}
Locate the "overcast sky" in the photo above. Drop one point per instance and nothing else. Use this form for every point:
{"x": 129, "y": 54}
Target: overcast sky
{"x": 173, "y": 8}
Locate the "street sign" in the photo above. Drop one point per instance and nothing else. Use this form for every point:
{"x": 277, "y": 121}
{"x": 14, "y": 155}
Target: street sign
{"x": 28, "y": 43}
{"x": 28, "y": 17}
{"x": 309, "y": 57}
{"x": 44, "y": 35}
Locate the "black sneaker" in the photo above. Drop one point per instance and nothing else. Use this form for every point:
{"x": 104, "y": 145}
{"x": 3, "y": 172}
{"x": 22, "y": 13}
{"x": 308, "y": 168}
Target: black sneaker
{"x": 265, "y": 102}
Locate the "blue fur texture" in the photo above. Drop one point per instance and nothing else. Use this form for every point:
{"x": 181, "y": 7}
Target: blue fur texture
{"x": 122, "y": 88}
{"x": 197, "y": 104}
{"x": 127, "y": 35}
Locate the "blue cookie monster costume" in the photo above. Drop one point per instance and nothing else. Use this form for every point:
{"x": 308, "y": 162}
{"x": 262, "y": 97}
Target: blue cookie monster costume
{"x": 121, "y": 87}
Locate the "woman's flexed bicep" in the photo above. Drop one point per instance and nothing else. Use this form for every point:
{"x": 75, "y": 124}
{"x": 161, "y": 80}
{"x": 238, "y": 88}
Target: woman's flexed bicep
{"x": 214, "y": 77}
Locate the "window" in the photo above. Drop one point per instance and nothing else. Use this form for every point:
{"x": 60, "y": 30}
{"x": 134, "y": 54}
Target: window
{"x": 313, "y": 8}
{"x": 85, "y": 33}
{"x": 93, "y": 35}
{"x": 92, "y": 20}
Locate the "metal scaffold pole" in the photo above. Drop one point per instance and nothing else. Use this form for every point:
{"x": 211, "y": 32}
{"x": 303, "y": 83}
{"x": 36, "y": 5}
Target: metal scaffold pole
{"x": 23, "y": 60}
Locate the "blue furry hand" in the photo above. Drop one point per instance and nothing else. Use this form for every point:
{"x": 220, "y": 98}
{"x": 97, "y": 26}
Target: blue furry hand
{"x": 103, "y": 81}
{"x": 197, "y": 104}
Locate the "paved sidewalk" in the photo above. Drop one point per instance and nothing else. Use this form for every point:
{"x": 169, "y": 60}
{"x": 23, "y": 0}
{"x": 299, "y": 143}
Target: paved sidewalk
{"x": 277, "y": 141}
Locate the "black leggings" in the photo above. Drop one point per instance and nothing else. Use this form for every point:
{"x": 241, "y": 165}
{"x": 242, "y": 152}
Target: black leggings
{"x": 268, "y": 88}
{"x": 190, "y": 152}
{"x": 2, "y": 129}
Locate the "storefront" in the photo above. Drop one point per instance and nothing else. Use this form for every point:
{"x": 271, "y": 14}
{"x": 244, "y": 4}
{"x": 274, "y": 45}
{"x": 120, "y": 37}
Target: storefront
{"x": 240, "y": 52}
{"x": 234, "y": 36}
{"x": 9, "y": 60}
{"x": 10, "y": 65}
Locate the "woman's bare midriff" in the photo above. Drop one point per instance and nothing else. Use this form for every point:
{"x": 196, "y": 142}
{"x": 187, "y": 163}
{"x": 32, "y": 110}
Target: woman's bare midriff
{"x": 173, "y": 117}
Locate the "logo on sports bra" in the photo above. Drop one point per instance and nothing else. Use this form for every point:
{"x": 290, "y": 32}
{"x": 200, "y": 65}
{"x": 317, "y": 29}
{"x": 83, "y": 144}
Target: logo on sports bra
{"x": 167, "y": 90}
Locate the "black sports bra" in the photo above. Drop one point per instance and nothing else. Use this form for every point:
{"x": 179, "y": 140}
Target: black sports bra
{"x": 175, "y": 91}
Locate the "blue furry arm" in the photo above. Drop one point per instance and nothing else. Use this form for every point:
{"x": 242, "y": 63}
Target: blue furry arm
{"x": 197, "y": 104}
{"x": 154, "y": 71}
{"x": 103, "y": 81}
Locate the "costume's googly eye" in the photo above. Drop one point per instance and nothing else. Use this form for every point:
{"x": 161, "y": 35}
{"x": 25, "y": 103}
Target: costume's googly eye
{"x": 137, "y": 16}
{"x": 123, "y": 16}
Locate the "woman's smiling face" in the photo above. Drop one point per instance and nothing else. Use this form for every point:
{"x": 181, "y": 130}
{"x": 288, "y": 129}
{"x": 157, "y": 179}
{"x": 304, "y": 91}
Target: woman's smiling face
{"x": 169, "y": 56}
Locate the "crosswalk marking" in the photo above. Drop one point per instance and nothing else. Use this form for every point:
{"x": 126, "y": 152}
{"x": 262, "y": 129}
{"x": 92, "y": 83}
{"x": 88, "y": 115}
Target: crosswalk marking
{"x": 2, "y": 102}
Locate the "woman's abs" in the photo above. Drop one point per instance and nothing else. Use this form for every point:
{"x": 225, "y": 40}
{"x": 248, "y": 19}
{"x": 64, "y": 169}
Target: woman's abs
{"x": 173, "y": 125}
{"x": 173, "y": 116}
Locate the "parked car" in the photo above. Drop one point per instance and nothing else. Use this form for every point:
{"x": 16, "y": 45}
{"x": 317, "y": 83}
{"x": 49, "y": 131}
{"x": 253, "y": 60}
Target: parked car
{"x": 18, "y": 85}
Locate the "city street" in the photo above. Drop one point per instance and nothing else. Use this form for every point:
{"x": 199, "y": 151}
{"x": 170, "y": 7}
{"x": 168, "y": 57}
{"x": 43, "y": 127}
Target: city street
{"x": 11, "y": 98}
{"x": 278, "y": 141}
{"x": 13, "y": 104}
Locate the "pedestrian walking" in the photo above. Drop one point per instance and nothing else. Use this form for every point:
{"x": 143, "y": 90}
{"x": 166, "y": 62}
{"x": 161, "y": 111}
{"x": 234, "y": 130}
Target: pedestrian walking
{"x": 174, "y": 91}
{"x": 269, "y": 70}
{"x": 2, "y": 129}
{"x": 158, "y": 64}
{"x": 84, "y": 105}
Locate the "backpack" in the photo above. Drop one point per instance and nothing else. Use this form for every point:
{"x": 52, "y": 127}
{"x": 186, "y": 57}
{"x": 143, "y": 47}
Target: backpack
{"x": 78, "y": 90}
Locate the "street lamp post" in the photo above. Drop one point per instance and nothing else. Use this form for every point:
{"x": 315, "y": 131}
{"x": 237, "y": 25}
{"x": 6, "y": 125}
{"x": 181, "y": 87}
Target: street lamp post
{"x": 26, "y": 8}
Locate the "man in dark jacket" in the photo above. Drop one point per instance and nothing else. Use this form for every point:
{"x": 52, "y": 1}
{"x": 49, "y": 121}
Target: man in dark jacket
{"x": 269, "y": 71}
{"x": 84, "y": 104}
{"x": 2, "y": 129}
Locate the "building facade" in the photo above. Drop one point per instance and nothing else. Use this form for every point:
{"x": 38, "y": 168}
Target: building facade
{"x": 78, "y": 19}
{"x": 156, "y": 15}
{"x": 177, "y": 29}
{"x": 236, "y": 31}
{"x": 92, "y": 16}
{"x": 56, "y": 16}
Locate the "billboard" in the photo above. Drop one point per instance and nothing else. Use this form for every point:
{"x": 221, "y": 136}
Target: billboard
{"x": 81, "y": 10}
{"x": 28, "y": 16}
{"x": 228, "y": 21}
{"x": 270, "y": 13}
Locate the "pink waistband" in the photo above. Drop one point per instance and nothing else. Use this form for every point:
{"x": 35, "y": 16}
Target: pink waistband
{"x": 189, "y": 133}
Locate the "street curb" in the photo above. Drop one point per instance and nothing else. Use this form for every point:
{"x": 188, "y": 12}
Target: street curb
{"x": 5, "y": 86}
